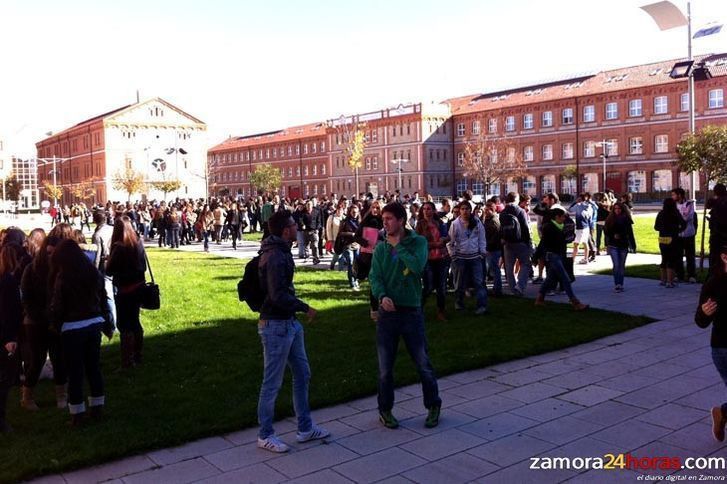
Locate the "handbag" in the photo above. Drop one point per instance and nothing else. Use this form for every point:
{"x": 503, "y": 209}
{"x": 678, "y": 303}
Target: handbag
{"x": 150, "y": 298}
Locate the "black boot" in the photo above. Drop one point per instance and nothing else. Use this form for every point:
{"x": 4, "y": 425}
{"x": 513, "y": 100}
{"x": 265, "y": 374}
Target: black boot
{"x": 138, "y": 346}
{"x": 127, "y": 349}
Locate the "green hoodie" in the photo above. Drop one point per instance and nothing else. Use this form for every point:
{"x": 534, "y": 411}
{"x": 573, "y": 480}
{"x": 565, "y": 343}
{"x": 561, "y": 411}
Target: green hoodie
{"x": 396, "y": 272}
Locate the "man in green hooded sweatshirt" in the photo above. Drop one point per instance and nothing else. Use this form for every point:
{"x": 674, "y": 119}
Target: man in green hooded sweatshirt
{"x": 396, "y": 281}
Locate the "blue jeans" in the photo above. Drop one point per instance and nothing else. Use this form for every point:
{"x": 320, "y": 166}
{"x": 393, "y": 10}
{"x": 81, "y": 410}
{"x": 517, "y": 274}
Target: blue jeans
{"x": 82, "y": 352}
{"x": 556, "y": 273}
{"x": 464, "y": 271}
{"x": 300, "y": 238}
{"x": 493, "y": 266}
{"x": 206, "y": 235}
{"x": 350, "y": 255}
{"x": 719, "y": 357}
{"x": 283, "y": 344}
{"x": 408, "y": 325}
{"x": 517, "y": 251}
{"x": 618, "y": 259}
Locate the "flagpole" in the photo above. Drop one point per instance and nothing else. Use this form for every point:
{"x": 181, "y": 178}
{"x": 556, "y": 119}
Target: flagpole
{"x": 690, "y": 80}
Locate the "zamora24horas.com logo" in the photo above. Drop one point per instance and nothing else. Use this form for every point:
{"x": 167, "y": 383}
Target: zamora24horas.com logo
{"x": 628, "y": 461}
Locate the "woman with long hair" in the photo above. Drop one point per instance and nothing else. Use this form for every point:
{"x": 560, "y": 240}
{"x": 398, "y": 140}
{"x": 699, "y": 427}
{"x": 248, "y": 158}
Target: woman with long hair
{"x": 35, "y": 241}
{"x": 430, "y": 227}
{"x": 37, "y": 340}
{"x": 618, "y": 228}
{"x": 468, "y": 247}
{"x": 669, "y": 223}
{"x": 11, "y": 317}
{"x": 371, "y": 220}
{"x": 712, "y": 309}
{"x": 126, "y": 265}
{"x": 78, "y": 313}
{"x": 333, "y": 226}
{"x": 347, "y": 234}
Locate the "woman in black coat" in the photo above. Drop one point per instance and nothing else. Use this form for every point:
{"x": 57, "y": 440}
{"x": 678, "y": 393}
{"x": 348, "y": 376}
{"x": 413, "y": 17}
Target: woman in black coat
{"x": 11, "y": 317}
{"x": 669, "y": 223}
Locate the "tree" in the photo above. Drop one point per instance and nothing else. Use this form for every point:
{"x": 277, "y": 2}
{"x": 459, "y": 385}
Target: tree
{"x": 129, "y": 180}
{"x": 166, "y": 186}
{"x": 491, "y": 158}
{"x": 704, "y": 152}
{"x": 83, "y": 190}
{"x": 266, "y": 178}
{"x": 351, "y": 134}
{"x": 53, "y": 191}
{"x": 12, "y": 188}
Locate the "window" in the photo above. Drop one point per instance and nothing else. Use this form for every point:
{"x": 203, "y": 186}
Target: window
{"x": 547, "y": 119}
{"x": 589, "y": 149}
{"x": 635, "y": 108}
{"x": 547, "y": 152}
{"x": 510, "y": 123}
{"x": 313, "y": 147}
{"x": 529, "y": 187}
{"x": 290, "y": 172}
{"x": 612, "y": 111}
{"x": 716, "y": 98}
{"x": 612, "y": 147}
{"x": 290, "y": 151}
{"x": 460, "y": 129}
{"x": 528, "y": 121}
{"x": 568, "y": 116}
{"x": 315, "y": 170}
{"x": 684, "y": 102}
{"x": 568, "y": 184}
{"x": 492, "y": 125}
{"x": 636, "y": 181}
{"x": 323, "y": 169}
{"x": 460, "y": 158}
{"x": 528, "y": 153}
{"x": 376, "y": 163}
{"x": 297, "y": 171}
{"x": 475, "y": 127}
{"x": 661, "y": 143}
{"x": 547, "y": 184}
{"x": 368, "y": 164}
{"x": 297, "y": 150}
{"x": 567, "y": 151}
{"x": 661, "y": 105}
{"x": 636, "y": 145}
{"x": 589, "y": 113}
{"x": 462, "y": 185}
{"x": 393, "y": 131}
{"x": 305, "y": 149}
{"x": 267, "y": 153}
{"x": 323, "y": 146}
{"x": 661, "y": 181}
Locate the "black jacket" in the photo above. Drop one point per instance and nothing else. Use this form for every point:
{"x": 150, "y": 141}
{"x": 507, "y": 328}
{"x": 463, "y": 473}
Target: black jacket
{"x": 492, "y": 233}
{"x": 620, "y": 233}
{"x": 716, "y": 289}
{"x": 553, "y": 240}
{"x": 126, "y": 264}
{"x": 276, "y": 269}
{"x": 11, "y": 311}
{"x": 522, "y": 218}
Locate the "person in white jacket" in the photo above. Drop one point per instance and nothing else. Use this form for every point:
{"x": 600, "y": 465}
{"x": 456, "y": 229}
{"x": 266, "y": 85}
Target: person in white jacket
{"x": 468, "y": 248}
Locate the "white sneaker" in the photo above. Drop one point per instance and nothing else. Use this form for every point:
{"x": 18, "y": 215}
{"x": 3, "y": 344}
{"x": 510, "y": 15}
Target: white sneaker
{"x": 314, "y": 433}
{"x": 273, "y": 444}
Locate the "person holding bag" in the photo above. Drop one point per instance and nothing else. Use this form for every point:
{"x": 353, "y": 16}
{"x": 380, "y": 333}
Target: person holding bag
{"x": 127, "y": 266}
{"x": 669, "y": 223}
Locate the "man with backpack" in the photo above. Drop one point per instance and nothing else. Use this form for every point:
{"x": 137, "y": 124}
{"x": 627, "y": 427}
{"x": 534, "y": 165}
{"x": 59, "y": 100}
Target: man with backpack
{"x": 281, "y": 334}
{"x": 515, "y": 231}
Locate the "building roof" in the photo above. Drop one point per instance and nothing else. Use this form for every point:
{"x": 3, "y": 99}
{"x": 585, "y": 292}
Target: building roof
{"x": 279, "y": 136}
{"x": 590, "y": 84}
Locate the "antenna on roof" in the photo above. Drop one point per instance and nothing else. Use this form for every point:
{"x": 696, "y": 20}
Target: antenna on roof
{"x": 137, "y": 96}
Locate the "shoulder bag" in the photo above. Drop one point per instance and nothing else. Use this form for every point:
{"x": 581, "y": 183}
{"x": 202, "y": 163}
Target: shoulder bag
{"x": 150, "y": 298}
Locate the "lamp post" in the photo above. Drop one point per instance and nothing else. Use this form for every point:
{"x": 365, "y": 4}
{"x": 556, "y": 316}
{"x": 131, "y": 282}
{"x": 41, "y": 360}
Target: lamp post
{"x": 54, "y": 172}
{"x": 399, "y": 168}
{"x": 604, "y": 157}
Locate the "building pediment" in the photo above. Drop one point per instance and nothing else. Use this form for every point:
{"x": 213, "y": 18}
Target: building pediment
{"x": 155, "y": 113}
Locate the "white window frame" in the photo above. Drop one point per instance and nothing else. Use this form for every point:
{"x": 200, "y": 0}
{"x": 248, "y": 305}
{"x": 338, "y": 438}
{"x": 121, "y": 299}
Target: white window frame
{"x": 547, "y": 152}
{"x": 510, "y": 123}
{"x": 460, "y": 129}
{"x": 567, "y": 116}
{"x": 684, "y": 102}
{"x": 589, "y": 113}
{"x": 528, "y": 153}
{"x": 636, "y": 145}
{"x": 589, "y": 149}
{"x": 716, "y": 98}
{"x": 460, "y": 158}
{"x": 546, "y": 120}
{"x": 612, "y": 147}
{"x": 661, "y": 143}
{"x": 492, "y": 125}
{"x": 528, "y": 121}
{"x": 611, "y": 111}
{"x": 661, "y": 105}
{"x": 476, "y": 127}
{"x": 636, "y": 108}
{"x": 566, "y": 151}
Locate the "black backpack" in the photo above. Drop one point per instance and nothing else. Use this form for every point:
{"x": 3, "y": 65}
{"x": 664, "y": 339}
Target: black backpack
{"x": 569, "y": 229}
{"x": 510, "y": 228}
{"x": 249, "y": 288}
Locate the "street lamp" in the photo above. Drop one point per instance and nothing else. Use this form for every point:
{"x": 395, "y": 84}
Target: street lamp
{"x": 605, "y": 145}
{"x": 54, "y": 172}
{"x": 668, "y": 16}
{"x": 399, "y": 168}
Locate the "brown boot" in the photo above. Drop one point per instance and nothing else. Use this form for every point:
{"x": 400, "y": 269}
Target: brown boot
{"x": 441, "y": 316}
{"x": 718, "y": 423}
{"x": 540, "y": 300}
{"x": 26, "y": 399}
{"x": 61, "y": 396}
{"x": 578, "y": 306}
{"x": 127, "y": 350}
{"x": 138, "y": 346}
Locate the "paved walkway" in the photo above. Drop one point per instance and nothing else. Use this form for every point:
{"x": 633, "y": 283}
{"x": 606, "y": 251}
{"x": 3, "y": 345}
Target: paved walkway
{"x": 646, "y": 392}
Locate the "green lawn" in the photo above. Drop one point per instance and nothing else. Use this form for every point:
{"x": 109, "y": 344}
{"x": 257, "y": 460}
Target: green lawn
{"x": 203, "y": 362}
{"x": 254, "y": 237}
{"x": 649, "y": 271}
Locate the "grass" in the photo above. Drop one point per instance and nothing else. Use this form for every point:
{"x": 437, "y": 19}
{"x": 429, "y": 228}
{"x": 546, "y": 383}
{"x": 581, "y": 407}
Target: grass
{"x": 649, "y": 271}
{"x": 252, "y": 237}
{"x": 203, "y": 362}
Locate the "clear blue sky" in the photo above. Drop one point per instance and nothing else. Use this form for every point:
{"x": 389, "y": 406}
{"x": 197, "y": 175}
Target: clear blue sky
{"x": 245, "y": 67}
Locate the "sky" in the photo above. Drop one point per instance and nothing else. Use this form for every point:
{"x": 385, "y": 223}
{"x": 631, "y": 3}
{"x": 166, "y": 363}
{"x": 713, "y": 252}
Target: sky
{"x": 246, "y": 67}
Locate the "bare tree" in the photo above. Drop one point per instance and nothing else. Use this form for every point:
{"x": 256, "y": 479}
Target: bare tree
{"x": 492, "y": 158}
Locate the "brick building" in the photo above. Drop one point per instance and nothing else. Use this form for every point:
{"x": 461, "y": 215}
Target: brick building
{"x": 152, "y": 137}
{"x": 560, "y": 129}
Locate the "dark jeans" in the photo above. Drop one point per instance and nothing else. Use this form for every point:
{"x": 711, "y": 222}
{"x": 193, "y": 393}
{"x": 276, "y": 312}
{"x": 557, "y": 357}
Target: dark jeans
{"x": 435, "y": 279}
{"x": 8, "y": 373}
{"x": 350, "y": 256}
{"x": 234, "y": 234}
{"x": 685, "y": 248}
{"x": 408, "y": 325}
{"x": 493, "y": 268}
{"x": 128, "y": 305}
{"x": 162, "y": 236}
{"x": 174, "y": 232}
{"x": 468, "y": 271}
{"x": 82, "y": 351}
{"x": 35, "y": 342}
{"x": 719, "y": 358}
{"x": 556, "y": 273}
